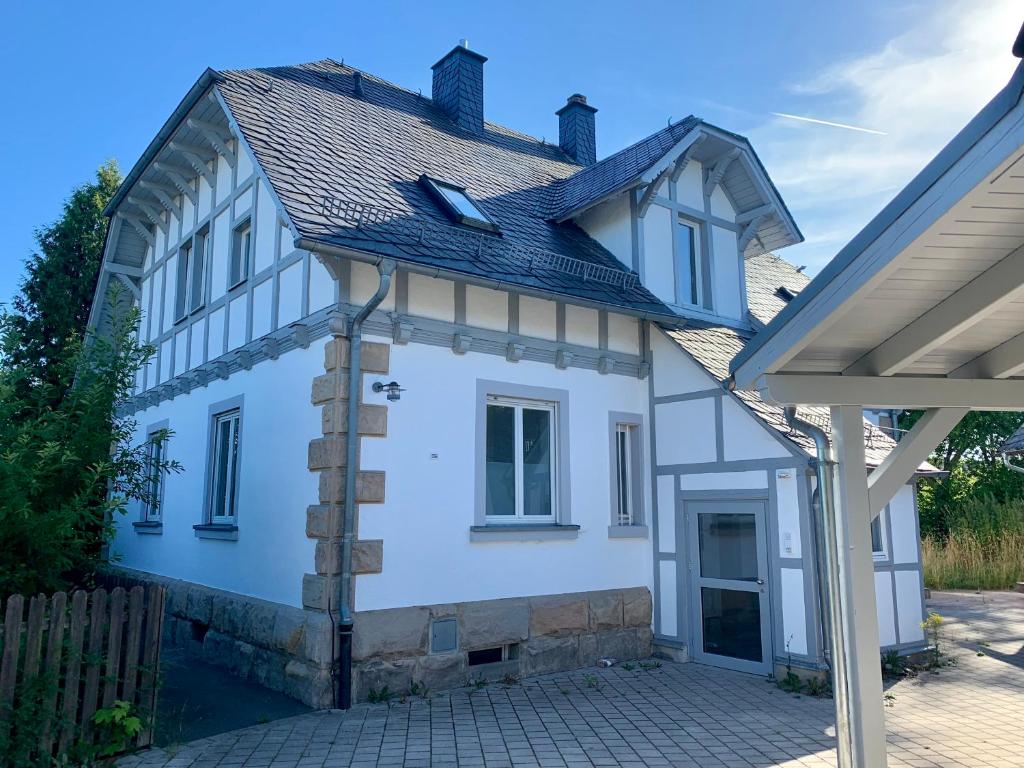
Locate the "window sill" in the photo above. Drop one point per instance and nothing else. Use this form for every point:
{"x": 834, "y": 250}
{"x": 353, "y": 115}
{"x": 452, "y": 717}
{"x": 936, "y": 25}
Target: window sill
{"x": 216, "y": 531}
{"x": 523, "y": 532}
{"x": 627, "y": 532}
{"x": 150, "y": 527}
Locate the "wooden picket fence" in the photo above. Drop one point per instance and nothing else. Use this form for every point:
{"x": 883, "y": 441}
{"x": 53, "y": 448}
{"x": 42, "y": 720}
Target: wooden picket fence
{"x": 68, "y": 658}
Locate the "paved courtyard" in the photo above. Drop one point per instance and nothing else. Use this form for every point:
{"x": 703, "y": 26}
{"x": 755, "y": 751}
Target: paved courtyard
{"x": 969, "y": 714}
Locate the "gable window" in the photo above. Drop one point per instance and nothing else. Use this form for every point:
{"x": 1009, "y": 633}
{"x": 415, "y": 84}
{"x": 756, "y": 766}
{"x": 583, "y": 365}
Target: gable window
{"x": 241, "y": 250}
{"x": 687, "y": 263}
{"x": 224, "y": 467}
{"x": 458, "y": 205}
{"x": 520, "y": 460}
{"x": 191, "y": 278}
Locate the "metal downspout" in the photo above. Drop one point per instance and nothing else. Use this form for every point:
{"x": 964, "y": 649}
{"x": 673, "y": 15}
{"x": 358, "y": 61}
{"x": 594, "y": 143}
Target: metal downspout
{"x": 386, "y": 269}
{"x": 823, "y": 465}
{"x": 1010, "y": 465}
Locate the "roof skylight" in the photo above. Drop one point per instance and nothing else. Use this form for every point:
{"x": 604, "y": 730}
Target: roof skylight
{"x": 457, "y": 203}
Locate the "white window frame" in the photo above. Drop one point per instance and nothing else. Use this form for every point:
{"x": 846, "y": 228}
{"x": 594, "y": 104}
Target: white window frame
{"x": 152, "y": 510}
{"x": 190, "y": 281}
{"x": 519, "y": 405}
{"x": 213, "y": 517}
{"x": 503, "y": 527}
{"x": 883, "y": 528}
{"x": 698, "y": 262}
{"x": 241, "y": 252}
{"x": 631, "y": 426}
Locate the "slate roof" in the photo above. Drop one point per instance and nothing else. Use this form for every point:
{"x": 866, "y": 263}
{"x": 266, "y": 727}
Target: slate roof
{"x": 1015, "y": 442}
{"x": 315, "y": 139}
{"x": 616, "y": 171}
{"x": 714, "y": 347}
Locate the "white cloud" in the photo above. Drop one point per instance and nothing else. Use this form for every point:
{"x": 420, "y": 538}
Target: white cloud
{"x": 920, "y": 89}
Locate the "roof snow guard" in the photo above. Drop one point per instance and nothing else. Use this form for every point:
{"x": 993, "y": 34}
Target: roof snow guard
{"x": 396, "y": 226}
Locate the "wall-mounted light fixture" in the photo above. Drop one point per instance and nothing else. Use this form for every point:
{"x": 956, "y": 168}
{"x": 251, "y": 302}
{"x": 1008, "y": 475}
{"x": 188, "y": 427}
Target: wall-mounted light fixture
{"x": 392, "y": 388}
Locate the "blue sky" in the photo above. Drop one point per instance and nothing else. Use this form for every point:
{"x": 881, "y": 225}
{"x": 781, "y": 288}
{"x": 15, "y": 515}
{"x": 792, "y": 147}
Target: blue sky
{"x": 85, "y": 84}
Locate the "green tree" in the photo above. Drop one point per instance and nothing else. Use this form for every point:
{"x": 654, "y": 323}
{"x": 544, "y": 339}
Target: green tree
{"x": 970, "y": 454}
{"x": 52, "y": 308}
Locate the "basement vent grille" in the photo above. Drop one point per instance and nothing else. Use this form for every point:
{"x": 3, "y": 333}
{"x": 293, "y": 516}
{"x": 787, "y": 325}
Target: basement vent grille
{"x": 401, "y": 228}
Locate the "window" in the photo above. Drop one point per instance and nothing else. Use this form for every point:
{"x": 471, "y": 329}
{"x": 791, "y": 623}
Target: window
{"x": 191, "y": 283}
{"x": 520, "y": 461}
{"x": 241, "y": 249}
{"x": 457, "y": 204}
{"x": 687, "y": 263}
{"x": 151, "y": 512}
{"x": 878, "y": 548}
{"x": 625, "y": 474}
{"x": 224, "y": 467}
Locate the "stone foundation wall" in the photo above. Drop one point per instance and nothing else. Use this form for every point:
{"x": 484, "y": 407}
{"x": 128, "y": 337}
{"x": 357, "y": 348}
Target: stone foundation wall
{"x": 278, "y": 646}
{"x": 552, "y": 633}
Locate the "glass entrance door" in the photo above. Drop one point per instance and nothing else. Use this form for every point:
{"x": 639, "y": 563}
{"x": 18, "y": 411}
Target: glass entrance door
{"x": 729, "y": 575}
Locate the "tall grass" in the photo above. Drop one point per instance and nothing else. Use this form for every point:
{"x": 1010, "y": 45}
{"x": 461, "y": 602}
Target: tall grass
{"x": 984, "y": 548}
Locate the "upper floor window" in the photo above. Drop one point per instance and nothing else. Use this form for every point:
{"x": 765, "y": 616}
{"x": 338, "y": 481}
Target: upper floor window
{"x": 687, "y": 263}
{"x": 241, "y": 250}
{"x": 457, "y": 204}
{"x": 520, "y": 461}
{"x": 191, "y": 278}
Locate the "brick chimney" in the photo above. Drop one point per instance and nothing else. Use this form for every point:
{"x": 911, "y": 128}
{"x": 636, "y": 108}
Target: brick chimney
{"x": 458, "y": 86}
{"x": 576, "y": 132}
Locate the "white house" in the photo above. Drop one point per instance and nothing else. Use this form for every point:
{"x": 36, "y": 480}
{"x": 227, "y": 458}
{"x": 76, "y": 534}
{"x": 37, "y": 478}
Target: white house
{"x": 550, "y": 466}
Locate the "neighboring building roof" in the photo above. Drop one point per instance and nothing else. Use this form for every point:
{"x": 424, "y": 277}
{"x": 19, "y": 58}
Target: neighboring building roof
{"x": 1015, "y": 442}
{"x": 617, "y": 171}
{"x": 714, "y": 347}
{"x": 333, "y": 157}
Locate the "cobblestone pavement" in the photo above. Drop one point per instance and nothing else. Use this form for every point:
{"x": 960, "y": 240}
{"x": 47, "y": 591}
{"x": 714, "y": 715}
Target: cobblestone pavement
{"x": 969, "y": 714}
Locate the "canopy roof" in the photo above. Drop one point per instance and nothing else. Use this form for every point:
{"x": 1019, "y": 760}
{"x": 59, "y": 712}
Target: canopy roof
{"x": 925, "y": 306}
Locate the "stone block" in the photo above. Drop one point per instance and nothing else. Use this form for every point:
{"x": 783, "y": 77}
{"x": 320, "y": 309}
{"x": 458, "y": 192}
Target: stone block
{"x": 302, "y": 680}
{"x": 549, "y": 654}
{"x": 494, "y": 622}
{"x": 376, "y": 676}
{"x": 620, "y": 644}
{"x": 177, "y": 600}
{"x": 367, "y": 556}
{"x": 321, "y": 519}
{"x": 374, "y": 357}
{"x": 441, "y": 672}
{"x": 671, "y": 653}
{"x": 289, "y": 630}
{"x": 326, "y": 452}
{"x": 369, "y": 487}
{"x": 261, "y": 619}
{"x": 373, "y": 419}
{"x": 336, "y": 354}
{"x": 558, "y": 615}
{"x": 393, "y": 632}
{"x": 314, "y": 591}
{"x": 318, "y": 639}
{"x": 268, "y": 669}
{"x": 636, "y": 607}
{"x": 644, "y": 642}
{"x": 327, "y": 557}
{"x": 329, "y": 386}
{"x": 589, "y": 653}
{"x": 605, "y": 610}
{"x": 199, "y": 604}
{"x": 496, "y": 671}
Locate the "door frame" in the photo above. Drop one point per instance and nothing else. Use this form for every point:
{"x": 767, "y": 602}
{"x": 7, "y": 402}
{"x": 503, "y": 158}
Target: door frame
{"x": 687, "y": 522}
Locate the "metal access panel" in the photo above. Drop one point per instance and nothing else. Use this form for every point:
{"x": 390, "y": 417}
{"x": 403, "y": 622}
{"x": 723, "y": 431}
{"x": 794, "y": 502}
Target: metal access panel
{"x": 444, "y": 635}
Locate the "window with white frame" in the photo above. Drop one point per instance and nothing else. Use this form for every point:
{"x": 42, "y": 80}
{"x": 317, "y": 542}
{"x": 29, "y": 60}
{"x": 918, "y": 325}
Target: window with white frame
{"x": 151, "y": 508}
{"x": 241, "y": 249}
{"x": 626, "y": 474}
{"x": 521, "y": 460}
{"x": 224, "y": 467}
{"x": 190, "y": 293}
{"x": 687, "y": 262}
{"x": 878, "y": 542}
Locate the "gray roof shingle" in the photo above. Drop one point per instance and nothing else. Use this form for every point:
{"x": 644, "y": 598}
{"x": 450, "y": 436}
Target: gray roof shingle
{"x": 315, "y": 139}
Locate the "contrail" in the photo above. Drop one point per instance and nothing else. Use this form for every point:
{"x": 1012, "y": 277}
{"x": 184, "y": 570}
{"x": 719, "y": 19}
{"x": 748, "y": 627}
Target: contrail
{"x": 826, "y": 122}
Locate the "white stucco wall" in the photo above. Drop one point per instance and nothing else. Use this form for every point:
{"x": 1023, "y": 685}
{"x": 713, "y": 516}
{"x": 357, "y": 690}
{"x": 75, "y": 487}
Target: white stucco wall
{"x": 429, "y": 458}
{"x": 609, "y": 224}
{"x": 275, "y": 486}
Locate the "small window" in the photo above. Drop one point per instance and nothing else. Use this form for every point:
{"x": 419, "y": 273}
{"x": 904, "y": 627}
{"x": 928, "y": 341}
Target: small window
{"x": 878, "y": 548}
{"x": 241, "y": 250}
{"x": 181, "y": 291}
{"x": 151, "y": 512}
{"x": 687, "y": 264}
{"x": 197, "y": 273}
{"x": 520, "y": 461}
{"x": 458, "y": 205}
{"x": 627, "y": 471}
{"x": 224, "y": 467}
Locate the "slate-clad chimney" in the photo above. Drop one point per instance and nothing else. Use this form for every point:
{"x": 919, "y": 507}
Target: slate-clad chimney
{"x": 458, "y": 86}
{"x": 576, "y": 133}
